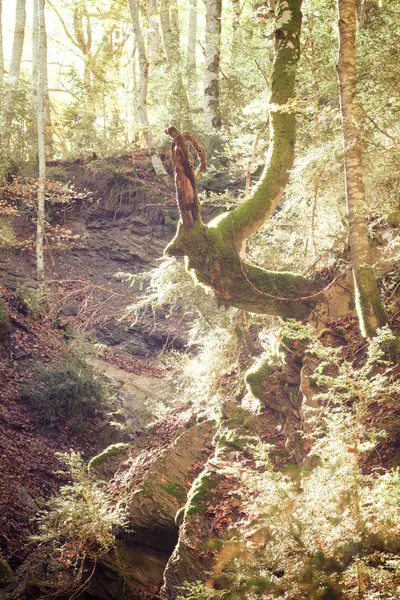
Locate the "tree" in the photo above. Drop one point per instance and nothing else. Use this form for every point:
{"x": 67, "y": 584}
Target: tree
{"x": 212, "y": 114}
{"x": 41, "y": 111}
{"x": 153, "y": 35}
{"x": 213, "y": 251}
{"x": 14, "y": 69}
{"x": 370, "y": 311}
{"x": 191, "y": 63}
{"x": 144, "y": 83}
{"x": 35, "y": 75}
{"x": 1, "y": 43}
{"x": 178, "y": 102}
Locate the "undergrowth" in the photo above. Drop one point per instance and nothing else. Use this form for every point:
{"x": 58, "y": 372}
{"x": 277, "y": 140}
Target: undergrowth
{"x": 82, "y": 519}
{"x": 67, "y": 392}
{"x": 328, "y": 529}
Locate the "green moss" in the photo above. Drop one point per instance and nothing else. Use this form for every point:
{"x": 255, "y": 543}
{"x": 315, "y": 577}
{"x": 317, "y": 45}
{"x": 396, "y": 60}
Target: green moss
{"x": 3, "y": 311}
{"x": 257, "y": 374}
{"x": 176, "y": 490}
{"x": 234, "y": 439}
{"x": 370, "y": 311}
{"x": 110, "y": 452}
{"x": 170, "y": 221}
{"x": 240, "y": 416}
{"x": 199, "y": 492}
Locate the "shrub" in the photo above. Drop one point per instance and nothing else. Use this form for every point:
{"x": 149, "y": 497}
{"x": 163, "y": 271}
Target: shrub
{"x": 81, "y": 521}
{"x": 31, "y": 299}
{"x": 70, "y": 392}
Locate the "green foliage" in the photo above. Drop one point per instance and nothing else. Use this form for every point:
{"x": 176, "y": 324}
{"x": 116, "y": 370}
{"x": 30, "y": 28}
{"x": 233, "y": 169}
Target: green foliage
{"x": 199, "y": 591}
{"x": 83, "y": 517}
{"x": 317, "y": 528}
{"x": 69, "y": 392}
{"x": 7, "y": 234}
{"x": 3, "y": 310}
{"x": 32, "y": 299}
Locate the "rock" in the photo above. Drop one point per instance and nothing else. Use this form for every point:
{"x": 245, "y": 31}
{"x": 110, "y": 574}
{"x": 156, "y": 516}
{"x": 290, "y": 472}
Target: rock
{"x": 130, "y": 573}
{"x": 70, "y": 309}
{"x": 164, "y": 489}
{"x": 105, "y": 464}
{"x": 6, "y": 575}
{"x": 190, "y": 560}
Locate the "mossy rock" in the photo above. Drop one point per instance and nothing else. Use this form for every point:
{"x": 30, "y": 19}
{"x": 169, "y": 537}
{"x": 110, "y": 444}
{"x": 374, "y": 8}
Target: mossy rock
{"x": 106, "y": 463}
{"x": 197, "y": 498}
{"x": 176, "y": 490}
{"x": 6, "y": 575}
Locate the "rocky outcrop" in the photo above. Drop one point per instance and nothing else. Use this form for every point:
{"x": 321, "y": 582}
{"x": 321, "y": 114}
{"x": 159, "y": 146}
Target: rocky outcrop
{"x": 156, "y": 500}
{"x": 135, "y": 569}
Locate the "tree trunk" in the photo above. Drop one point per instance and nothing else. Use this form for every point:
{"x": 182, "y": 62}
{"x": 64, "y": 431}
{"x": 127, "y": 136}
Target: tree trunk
{"x": 213, "y": 250}
{"x": 370, "y": 311}
{"x": 143, "y": 87}
{"x": 179, "y": 104}
{"x": 1, "y": 44}
{"x": 35, "y": 74}
{"x": 235, "y": 44}
{"x": 191, "y": 63}
{"x": 41, "y": 140}
{"x": 14, "y": 70}
{"x": 153, "y": 35}
{"x": 212, "y": 113}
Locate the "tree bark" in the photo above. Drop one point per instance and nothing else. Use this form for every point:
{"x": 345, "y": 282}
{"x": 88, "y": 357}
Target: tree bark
{"x": 179, "y": 104}
{"x": 35, "y": 74}
{"x": 153, "y": 35}
{"x": 370, "y": 311}
{"x": 213, "y": 251}
{"x": 14, "y": 70}
{"x": 143, "y": 87}
{"x": 1, "y": 44}
{"x": 236, "y": 12}
{"x": 191, "y": 62}
{"x": 41, "y": 67}
{"x": 212, "y": 114}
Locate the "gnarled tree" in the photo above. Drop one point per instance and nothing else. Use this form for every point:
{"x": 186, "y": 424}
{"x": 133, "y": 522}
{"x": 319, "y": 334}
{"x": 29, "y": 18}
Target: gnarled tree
{"x": 213, "y": 251}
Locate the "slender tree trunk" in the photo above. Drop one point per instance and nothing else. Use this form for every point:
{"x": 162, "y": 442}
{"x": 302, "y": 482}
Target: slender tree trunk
{"x": 153, "y": 36}
{"x": 41, "y": 67}
{"x": 179, "y": 104}
{"x": 143, "y": 87}
{"x": 47, "y": 109}
{"x": 212, "y": 113}
{"x": 14, "y": 69}
{"x": 1, "y": 43}
{"x": 191, "y": 63}
{"x": 35, "y": 75}
{"x": 369, "y": 307}
{"x": 236, "y": 11}
{"x": 18, "y": 43}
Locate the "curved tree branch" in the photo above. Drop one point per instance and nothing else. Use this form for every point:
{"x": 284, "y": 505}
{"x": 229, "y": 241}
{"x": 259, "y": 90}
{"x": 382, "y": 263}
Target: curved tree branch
{"x": 213, "y": 251}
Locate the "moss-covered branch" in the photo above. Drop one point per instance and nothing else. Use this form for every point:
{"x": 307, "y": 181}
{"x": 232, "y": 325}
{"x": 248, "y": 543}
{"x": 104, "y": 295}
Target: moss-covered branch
{"x": 213, "y": 252}
{"x": 239, "y": 224}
